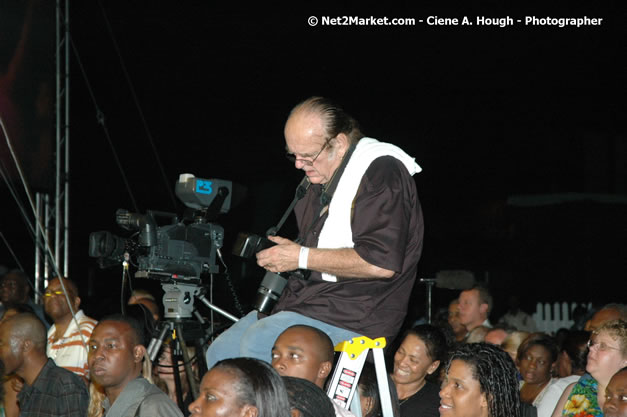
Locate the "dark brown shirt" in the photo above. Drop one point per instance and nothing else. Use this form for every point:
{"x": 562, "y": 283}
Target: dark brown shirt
{"x": 387, "y": 229}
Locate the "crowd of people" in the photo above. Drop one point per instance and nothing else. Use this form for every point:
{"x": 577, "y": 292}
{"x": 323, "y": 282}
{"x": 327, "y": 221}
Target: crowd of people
{"x": 360, "y": 239}
{"x": 83, "y": 367}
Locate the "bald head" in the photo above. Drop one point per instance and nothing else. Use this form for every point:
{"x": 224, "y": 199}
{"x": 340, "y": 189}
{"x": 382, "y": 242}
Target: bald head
{"x": 607, "y": 313}
{"x": 334, "y": 120}
{"x": 323, "y": 344}
{"x": 27, "y": 327}
{"x": 303, "y": 352}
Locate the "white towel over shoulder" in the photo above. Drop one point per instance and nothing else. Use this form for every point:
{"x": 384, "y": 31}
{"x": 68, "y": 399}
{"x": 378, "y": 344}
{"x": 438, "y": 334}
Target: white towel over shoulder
{"x": 336, "y": 232}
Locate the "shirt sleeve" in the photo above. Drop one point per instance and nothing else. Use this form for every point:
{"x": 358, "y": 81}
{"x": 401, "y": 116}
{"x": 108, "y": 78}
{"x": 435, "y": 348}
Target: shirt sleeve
{"x": 380, "y": 218}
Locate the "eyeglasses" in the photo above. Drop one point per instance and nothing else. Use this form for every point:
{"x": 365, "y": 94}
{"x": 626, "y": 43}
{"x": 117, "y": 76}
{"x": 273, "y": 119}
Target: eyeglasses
{"x": 52, "y": 293}
{"x": 292, "y": 158}
{"x": 600, "y": 346}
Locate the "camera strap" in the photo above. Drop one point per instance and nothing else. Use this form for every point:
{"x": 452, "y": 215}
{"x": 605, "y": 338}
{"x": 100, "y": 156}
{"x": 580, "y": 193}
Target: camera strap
{"x": 325, "y": 197}
{"x": 301, "y": 190}
{"x": 327, "y": 192}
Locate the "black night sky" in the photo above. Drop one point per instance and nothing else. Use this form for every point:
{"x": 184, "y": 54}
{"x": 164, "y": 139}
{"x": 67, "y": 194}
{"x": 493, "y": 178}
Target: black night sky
{"x": 520, "y": 130}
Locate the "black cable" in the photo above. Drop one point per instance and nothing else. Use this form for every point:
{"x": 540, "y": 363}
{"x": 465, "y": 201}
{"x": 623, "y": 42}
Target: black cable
{"x": 238, "y": 305}
{"x": 101, "y": 121}
{"x": 139, "y": 109}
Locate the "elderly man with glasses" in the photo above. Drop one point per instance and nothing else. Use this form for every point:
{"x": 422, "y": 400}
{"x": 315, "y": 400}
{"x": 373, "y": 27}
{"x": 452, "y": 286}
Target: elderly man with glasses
{"x": 360, "y": 237}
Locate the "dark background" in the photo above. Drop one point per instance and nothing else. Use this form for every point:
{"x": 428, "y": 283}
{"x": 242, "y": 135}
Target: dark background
{"x": 520, "y": 131}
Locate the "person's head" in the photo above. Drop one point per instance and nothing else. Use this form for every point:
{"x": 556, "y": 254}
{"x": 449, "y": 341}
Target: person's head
{"x": 145, "y": 298}
{"x": 22, "y": 339}
{"x": 370, "y": 394}
{"x": 55, "y": 303}
{"x": 616, "y": 395}
{"x": 537, "y": 355}
{"x": 607, "y": 313}
{"x": 453, "y": 319}
{"x": 607, "y": 350}
{"x": 164, "y": 369}
{"x": 573, "y": 356}
{"x": 477, "y": 335}
{"x": 512, "y": 342}
{"x": 307, "y": 399}
{"x": 303, "y": 352}
{"x": 14, "y": 288}
{"x": 421, "y": 353}
{"x": 318, "y": 133}
{"x": 496, "y": 335}
{"x": 474, "y": 306}
{"x": 480, "y": 382}
{"x": 141, "y": 315}
{"x": 241, "y": 387}
{"x": 116, "y": 351}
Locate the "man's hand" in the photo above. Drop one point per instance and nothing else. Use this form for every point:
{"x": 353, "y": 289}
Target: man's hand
{"x": 17, "y": 384}
{"x": 280, "y": 258}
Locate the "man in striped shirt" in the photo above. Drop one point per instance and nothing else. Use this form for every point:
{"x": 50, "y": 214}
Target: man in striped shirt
{"x": 68, "y": 337}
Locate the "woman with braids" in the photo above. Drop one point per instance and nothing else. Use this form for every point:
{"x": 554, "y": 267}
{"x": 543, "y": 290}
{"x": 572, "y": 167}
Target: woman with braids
{"x": 416, "y": 365}
{"x": 241, "y": 387}
{"x": 306, "y": 399}
{"x": 607, "y": 354}
{"x": 480, "y": 381}
{"x": 370, "y": 394}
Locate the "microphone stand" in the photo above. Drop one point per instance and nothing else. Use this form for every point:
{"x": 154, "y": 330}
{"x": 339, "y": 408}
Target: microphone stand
{"x": 429, "y": 282}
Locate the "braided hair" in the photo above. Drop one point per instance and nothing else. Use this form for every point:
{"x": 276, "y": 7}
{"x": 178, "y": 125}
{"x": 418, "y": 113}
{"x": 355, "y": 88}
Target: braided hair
{"x": 496, "y": 373}
{"x": 308, "y": 398}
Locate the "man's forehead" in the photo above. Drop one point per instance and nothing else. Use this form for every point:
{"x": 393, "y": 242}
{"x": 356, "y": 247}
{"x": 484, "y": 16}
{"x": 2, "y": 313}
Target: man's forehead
{"x": 300, "y": 338}
{"x": 469, "y": 294}
{"x": 112, "y": 330}
{"x": 619, "y": 381}
{"x": 54, "y": 283}
{"x": 302, "y": 129}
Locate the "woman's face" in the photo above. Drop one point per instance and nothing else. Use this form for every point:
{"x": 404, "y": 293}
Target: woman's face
{"x": 604, "y": 357}
{"x": 218, "y": 397}
{"x": 461, "y": 394}
{"x": 411, "y": 362}
{"x": 535, "y": 365}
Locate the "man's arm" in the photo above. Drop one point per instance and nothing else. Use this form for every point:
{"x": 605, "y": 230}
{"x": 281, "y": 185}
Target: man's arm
{"x": 340, "y": 262}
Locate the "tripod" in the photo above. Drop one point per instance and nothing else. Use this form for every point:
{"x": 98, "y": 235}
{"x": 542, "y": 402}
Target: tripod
{"x": 179, "y": 328}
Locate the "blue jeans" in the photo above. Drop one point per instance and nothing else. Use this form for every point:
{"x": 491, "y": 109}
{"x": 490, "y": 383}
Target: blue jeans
{"x": 254, "y": 338}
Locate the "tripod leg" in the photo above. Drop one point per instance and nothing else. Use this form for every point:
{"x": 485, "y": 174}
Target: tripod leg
{"x": 188, "y": 367}
{"x": 174, "y": 348}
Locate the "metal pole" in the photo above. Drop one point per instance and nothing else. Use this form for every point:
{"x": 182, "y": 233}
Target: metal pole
{"x": 48, "y": 257}
{"x": 57, "y": 237}
{"x": 37, "y": 248}
{"x": 61, "y": 207}
{"x": 66, "y": 176}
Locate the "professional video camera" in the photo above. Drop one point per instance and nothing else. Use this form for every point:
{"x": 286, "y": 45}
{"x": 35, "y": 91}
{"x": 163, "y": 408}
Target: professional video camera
{"x": 178, "y": 252}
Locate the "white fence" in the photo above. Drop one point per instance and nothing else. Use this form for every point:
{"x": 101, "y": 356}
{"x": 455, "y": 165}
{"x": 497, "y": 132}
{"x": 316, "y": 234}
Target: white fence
{"x": 551, "y": 317}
